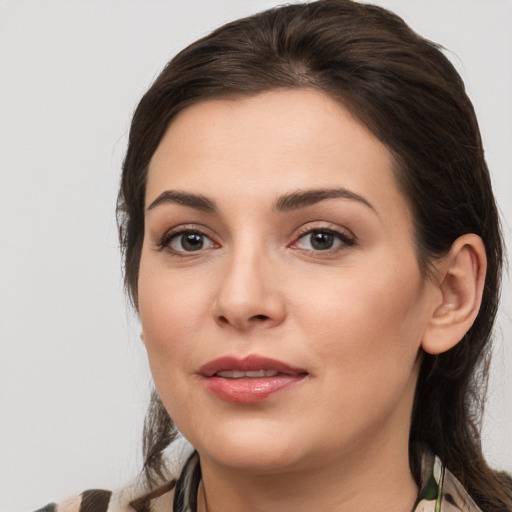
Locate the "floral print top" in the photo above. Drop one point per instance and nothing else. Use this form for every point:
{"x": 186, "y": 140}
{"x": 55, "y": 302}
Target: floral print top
{"x": 440, "y": 491}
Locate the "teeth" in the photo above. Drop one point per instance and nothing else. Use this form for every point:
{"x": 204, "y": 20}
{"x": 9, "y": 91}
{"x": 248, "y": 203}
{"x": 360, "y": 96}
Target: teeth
{"x": 235, "y": 374}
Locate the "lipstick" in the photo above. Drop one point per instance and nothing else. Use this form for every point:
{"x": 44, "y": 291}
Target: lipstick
{"x": 249, "y": 380}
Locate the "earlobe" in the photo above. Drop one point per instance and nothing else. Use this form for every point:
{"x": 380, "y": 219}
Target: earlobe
{"x": 461, "y": 278}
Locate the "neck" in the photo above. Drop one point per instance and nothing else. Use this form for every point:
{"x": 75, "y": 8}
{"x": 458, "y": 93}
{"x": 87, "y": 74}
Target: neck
{"x": 358, "y": 481}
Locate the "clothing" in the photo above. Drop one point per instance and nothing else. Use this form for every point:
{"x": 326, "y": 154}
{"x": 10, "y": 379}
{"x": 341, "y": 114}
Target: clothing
{"x": 440, "y": 491}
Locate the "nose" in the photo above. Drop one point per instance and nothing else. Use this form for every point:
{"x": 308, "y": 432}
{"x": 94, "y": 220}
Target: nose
{"x": 248, "y": 295}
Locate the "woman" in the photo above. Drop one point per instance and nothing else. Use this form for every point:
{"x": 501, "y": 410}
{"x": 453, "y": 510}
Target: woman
{"x": 312, "y": 244}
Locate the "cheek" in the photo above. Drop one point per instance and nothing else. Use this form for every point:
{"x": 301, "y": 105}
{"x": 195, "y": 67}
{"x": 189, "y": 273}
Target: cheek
{"x": 367, "y": 323}
{"x": 172, "y": 306}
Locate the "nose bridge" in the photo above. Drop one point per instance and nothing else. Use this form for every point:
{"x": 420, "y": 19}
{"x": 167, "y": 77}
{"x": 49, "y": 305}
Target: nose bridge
{"x": 248, "y": 292}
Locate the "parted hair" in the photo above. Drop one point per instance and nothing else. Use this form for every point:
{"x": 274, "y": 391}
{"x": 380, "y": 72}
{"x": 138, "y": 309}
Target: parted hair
{"x": 408, "y": 94}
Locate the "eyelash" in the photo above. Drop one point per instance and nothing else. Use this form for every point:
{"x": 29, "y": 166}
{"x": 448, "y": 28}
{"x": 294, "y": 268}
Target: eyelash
{"x": 166, "y": 241}
{"x": 343, "y": 237}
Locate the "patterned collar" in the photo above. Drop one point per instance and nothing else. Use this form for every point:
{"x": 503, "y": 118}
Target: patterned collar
{"x": 440, "y": 490}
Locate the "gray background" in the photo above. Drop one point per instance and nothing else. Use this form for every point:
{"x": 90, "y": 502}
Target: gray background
{"x": 73, "y": 376}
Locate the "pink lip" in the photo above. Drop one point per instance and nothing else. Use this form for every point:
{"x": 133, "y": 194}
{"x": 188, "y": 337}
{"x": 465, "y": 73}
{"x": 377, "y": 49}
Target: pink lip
{"x": 249, "y": 389}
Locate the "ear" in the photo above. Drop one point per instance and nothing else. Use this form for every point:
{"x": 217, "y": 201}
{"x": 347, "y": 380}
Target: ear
{"x": 460, "y": 276}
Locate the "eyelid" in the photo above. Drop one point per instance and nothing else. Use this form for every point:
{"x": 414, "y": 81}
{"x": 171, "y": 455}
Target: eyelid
{"x": 345, "y": 235}
{"x": 163, "y": 242}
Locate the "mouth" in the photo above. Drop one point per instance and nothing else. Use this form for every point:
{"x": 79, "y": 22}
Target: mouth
{"x": 256, "y": 374}
{"x": 249, "y": 380}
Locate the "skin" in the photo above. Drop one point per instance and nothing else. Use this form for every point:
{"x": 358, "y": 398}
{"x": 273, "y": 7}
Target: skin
{"x": 354, "y": 316}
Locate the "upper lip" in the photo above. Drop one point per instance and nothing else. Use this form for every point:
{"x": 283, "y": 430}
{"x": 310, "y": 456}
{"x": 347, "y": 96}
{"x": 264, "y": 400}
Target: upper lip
{"x": 248, "y": 364}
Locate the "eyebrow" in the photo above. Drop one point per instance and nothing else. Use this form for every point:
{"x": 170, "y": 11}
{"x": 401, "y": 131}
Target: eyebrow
{"x": 288, "y": 202}
{"x": 303, "y": 198}
{"x": 197, "y": 201}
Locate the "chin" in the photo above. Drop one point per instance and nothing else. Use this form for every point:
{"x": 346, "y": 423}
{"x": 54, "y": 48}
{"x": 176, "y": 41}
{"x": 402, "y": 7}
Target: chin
{"x": 260, "y": 460}
{"x": 258, "y": 449}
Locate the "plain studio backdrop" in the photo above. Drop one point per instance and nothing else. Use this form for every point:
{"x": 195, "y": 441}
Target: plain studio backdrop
{"x": 73, "y": 377}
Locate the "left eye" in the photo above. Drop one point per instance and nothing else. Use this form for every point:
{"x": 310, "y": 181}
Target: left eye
{"x": 322, "y": 240}
{"x": 189, "y": 241}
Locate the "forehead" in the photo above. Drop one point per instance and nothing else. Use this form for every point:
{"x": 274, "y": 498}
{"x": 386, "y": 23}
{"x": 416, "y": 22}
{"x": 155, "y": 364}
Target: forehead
{"x": 268, "y": 144}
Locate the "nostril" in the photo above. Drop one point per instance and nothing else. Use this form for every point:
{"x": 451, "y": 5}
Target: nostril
{"x": 234, "y": 321}
{"x": 260, "y": 317}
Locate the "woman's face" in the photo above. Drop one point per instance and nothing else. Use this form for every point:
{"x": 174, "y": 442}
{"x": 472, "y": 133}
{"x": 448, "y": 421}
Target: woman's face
{"x": 279, "y": 291}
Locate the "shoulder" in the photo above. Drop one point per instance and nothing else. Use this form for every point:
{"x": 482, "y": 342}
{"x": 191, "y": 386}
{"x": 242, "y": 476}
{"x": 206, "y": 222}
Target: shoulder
{"x": 136, "y": 496}
{"x": 94, "y": 500}
{"x": 101, "y": 500}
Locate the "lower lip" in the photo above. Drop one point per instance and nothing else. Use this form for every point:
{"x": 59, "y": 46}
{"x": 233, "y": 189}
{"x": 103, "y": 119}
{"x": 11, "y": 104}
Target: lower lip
{"x": 250, "y": 390}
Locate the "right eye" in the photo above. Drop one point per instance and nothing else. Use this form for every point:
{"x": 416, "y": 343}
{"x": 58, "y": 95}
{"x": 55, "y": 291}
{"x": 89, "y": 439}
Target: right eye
{"x": 187, "y": 241}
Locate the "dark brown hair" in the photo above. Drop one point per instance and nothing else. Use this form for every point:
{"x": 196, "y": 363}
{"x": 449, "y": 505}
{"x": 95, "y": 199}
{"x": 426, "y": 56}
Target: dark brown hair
{"x": 409, "y": 95}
